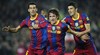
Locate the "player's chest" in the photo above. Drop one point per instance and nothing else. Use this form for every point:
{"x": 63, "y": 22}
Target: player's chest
{"x": 56, "y": 29}
{"x": 32, "y": 22}
{"x": 76, "y": 24}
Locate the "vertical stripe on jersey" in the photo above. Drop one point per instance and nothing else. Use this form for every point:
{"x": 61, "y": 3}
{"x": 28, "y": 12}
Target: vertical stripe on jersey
{"x": 29, "y": 24}
{"x": 39, "y": 37}
{"x": 34, "y": 38}
{"x": 59, "y": 38}
{"x": 54, "y": 41}
{"x": 44, "y": 38}
{"x": 63, "y": 42}
{"x": 49, "y": 41}
{"x": 71, "y": 23}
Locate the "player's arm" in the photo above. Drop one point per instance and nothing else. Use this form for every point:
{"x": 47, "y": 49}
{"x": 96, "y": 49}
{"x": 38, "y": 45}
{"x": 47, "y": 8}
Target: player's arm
{"x": 14, "y": 29}
{"x": 10, "y": 29}
{"x": 87, "y": 26}
{"x": 70, "y": 30}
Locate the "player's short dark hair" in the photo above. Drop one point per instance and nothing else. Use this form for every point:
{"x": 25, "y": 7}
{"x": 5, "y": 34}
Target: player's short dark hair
{"x": 31, "y": 3}
{"x": 54, "y": 11}
{"x": 74, "y": 4}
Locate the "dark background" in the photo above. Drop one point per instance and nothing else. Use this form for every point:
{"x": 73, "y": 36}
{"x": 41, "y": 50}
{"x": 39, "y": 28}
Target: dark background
{"x": 12, "y": 12}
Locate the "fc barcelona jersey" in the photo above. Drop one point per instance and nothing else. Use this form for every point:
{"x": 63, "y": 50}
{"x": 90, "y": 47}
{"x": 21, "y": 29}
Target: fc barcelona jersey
{"x": 78, "y": 25}
{"x": 38, "y": 36}
{"x": 56, "y": 34}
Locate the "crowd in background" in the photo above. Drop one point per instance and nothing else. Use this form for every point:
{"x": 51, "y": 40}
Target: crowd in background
{"x": 12, "y": 12}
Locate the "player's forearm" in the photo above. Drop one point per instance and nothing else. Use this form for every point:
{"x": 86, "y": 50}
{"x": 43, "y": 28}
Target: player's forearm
{"x": 14, "y": 29}
{"x": 79, "y": 34}
{"x": 71, "y": 31}
{"x": 84, "y": 32}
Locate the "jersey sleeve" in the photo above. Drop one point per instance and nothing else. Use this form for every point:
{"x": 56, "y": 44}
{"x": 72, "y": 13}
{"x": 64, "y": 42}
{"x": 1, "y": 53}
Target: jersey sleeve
{"x": 23, "y": 23}
{"x": 65, "y": 26}
{"x": 65, "y": 20}
{"x": 86, "y": 19}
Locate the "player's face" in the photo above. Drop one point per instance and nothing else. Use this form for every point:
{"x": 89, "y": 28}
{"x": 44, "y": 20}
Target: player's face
{"x": 72, "y": 10}
{"x": 52, "y": 18}
{"x": 32, "y": 10}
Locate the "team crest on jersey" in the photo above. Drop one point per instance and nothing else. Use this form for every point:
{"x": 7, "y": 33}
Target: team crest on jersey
{"x": 76, "y": 24}
{"x": 53, "y": 28}
{"x": 81, "y": 26}
{"x": 49, "y": 31}
{"x": 58, "y": 32}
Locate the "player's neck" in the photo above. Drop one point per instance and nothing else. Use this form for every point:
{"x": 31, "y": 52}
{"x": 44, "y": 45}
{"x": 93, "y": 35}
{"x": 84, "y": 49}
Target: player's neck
{"x": 33, "y": 17}
{"x": 55, "y": 23}
{"x": 76, "y": 16}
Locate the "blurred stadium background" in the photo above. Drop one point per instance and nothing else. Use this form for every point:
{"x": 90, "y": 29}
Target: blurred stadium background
{"x": 12, "y": 12}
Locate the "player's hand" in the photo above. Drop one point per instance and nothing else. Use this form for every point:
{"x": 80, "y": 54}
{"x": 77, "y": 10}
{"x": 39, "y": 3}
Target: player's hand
{"x": 31, "y": 27}
{"x": 84, "y": 37}
{"x": 35, "y": 26}
{"x": 6, "y": 29}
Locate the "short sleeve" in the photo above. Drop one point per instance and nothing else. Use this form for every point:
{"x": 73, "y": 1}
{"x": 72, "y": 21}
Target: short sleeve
{"x": 86, "y": 19}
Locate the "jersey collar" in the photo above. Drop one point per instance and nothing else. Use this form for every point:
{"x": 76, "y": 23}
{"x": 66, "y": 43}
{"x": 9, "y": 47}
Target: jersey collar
{"x": 76, "y": 18}
{"x": 33, "y": 18}
{"x": 57, "y": 22}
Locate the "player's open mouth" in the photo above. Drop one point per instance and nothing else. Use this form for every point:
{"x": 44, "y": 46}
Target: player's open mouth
{"x": 53, "y": 20}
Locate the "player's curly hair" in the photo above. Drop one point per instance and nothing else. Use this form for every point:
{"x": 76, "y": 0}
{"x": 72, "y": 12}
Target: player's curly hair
{"x": 54, "y": 11}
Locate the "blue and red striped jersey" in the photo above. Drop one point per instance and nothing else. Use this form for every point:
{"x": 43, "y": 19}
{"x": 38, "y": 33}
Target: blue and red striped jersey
{"x": 38, "y": 36}
{"x": 79, "y": 26}
{"x": 56, "y": 35}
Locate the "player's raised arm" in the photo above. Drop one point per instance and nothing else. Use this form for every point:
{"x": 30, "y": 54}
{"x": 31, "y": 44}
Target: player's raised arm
{"x": 10, "y": 29}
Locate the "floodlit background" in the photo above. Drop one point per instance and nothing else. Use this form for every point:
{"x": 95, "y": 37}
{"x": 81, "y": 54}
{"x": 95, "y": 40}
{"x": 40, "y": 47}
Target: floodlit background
{"x": 12, "y": 12}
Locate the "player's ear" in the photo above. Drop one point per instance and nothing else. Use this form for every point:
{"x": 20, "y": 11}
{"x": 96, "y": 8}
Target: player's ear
{"x": 28, "y": 10}
{"x": 57, "y": 18}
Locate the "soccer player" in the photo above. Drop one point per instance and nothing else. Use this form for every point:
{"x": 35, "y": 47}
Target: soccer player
{"x": 36, "y": 24}
{"x": 79, "y": 24}
{"x": 56, "y": 31}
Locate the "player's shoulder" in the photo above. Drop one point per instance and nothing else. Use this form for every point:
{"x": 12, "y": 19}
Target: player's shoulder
{"x": 41, "y": 17}
{"x": 68, "y": 17}
{"x": 27, "y": 18}
{"x": 63, "y": 24}
{"x": 84, "y": 14}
